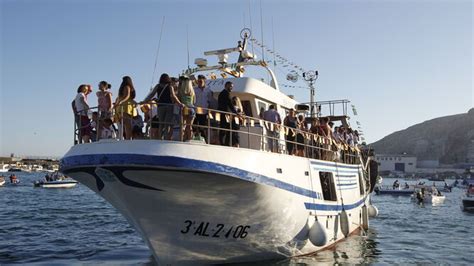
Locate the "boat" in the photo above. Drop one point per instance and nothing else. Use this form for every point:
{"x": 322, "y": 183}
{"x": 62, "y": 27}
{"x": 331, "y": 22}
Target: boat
{"x": 55, "y": 180}
{"x": 436, "y": 178}
{"x": 468, "y": 199}
{"x": 65, "y": 183}
{"x": 432, "y": 196}
{"x": 2, "y": 181}
{"x": 4, "y": 168}
{"x": 14, "y": 169}
{"x": 201, "y": 203}
{"x": 390, "y": 190}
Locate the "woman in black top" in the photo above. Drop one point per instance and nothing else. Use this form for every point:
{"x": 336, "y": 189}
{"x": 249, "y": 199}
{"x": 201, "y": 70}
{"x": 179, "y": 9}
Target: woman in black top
{"x": 299, "y": 137}
{"x": 291, "y": 122}
{"x": 165, "y": 97}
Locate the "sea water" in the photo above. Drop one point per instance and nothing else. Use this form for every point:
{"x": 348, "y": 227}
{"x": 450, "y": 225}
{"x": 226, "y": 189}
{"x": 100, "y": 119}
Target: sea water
{"x": 75, "y": 226}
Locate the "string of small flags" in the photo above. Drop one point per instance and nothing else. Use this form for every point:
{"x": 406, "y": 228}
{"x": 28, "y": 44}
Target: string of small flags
{"x": 284, "y": 62}
{"x": 359, "y": 126}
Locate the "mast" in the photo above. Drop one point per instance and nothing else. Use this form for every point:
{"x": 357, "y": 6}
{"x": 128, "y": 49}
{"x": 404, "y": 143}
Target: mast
{"x": 311, "y": 76}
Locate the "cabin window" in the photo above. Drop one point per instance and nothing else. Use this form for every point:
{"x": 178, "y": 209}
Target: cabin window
{"x": 247, "y": 108}
{"x": 361, "y": 184}
{"x": 260, "y": 106}
{"x": 327, "y": 185}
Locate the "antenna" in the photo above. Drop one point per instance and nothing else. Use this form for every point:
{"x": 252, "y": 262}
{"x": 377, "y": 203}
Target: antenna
{"x": 251, "y": 29}
{"x": 311, "y": 76}
{"x": 187, "y": 43}
{"x": 273, "y": 41}
{"x": 261, "y": 29}
{"x": 157, "y": 52}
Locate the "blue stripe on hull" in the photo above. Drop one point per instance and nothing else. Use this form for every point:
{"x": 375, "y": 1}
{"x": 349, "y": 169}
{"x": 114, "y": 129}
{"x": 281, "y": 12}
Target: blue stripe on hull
{"x": 326, "y": 207}
{"x": 339, "y": 165}
{"x": 170, "y": 161}
{"x": 178, "y": 162}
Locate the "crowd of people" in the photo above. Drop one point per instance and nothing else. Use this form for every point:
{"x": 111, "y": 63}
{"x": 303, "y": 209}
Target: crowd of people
{"x": 303, "y": 135}
{"x": 176, "y": 101}
{"x": 171, "y": 102}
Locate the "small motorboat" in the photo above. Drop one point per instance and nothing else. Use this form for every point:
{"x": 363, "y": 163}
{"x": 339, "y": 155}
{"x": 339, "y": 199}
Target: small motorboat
{"x": 428, "y": 197}
{"x": 55, "y": 180}
{"x": 396, "y": 189}
{"x": 65, "y": 183}
{"x": 2, "y": 180}
{"x": 468, "y": 200}
{"x": 388, "y": 190}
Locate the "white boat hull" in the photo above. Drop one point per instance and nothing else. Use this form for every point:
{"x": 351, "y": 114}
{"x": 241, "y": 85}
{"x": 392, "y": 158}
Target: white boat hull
{"x": 467, "y": 203}
{"x": 429, "y": 199}
{"x": 435, "y": 199}
{"x": 68, "y": 184}
{"x": 210, "y": 204}
{"x": 2, "y": 182}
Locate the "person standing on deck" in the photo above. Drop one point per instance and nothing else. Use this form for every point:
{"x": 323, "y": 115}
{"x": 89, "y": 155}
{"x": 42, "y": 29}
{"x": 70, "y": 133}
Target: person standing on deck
{"x": 165, "y": 98}
{"x": 290, "y": 122}
{"x": 203, "y": 102}
{"x": 273, "y": 132}
{"x": 225, "y": 105}
{"x": 82, "y": 108}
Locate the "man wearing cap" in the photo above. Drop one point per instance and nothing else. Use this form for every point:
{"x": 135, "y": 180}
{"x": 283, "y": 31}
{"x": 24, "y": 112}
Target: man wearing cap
{"x": 203, "y": 101}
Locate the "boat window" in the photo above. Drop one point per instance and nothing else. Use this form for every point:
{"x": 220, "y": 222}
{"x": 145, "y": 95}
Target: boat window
{"x": 327, "y": 185}
{"x": 261, "y": 105}
{"x": 361, "y": 184}
{"x": 247, "y": 108}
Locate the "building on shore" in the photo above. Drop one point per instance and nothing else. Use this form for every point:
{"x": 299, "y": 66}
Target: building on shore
{"x": 396, "y": 163}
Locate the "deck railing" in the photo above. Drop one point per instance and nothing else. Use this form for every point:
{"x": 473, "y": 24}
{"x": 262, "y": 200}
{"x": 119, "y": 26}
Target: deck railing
{"x": 240, "y": 130}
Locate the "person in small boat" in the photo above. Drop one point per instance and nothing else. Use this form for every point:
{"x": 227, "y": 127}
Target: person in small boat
{"x": 396, "y": 184}
{"x": 47, "y": 178}
{"x": 187, "y": 96}
{"x": 82, "y": 108}
{"x": 291, "y": 122}
{"x": 420, "y": 195}
{"x": 447, "y": 187}
{"x": 224, "y": 102}
{"x": 13, "y": 179}
{"x": 470, "y": 190}
{"x": 125, "y": 107}
{"x": 406, "y": 185}
{"x": 273, "y": 132}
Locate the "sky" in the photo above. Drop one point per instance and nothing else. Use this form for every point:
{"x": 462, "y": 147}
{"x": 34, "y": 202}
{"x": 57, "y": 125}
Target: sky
{"x": 399, "y": 62}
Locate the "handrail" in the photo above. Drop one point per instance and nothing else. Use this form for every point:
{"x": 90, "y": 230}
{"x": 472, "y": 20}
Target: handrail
{"x": 257, "y": 131}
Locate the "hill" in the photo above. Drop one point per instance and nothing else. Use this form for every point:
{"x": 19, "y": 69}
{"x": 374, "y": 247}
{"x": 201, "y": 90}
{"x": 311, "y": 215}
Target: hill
{"x": 449, "y": 139}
